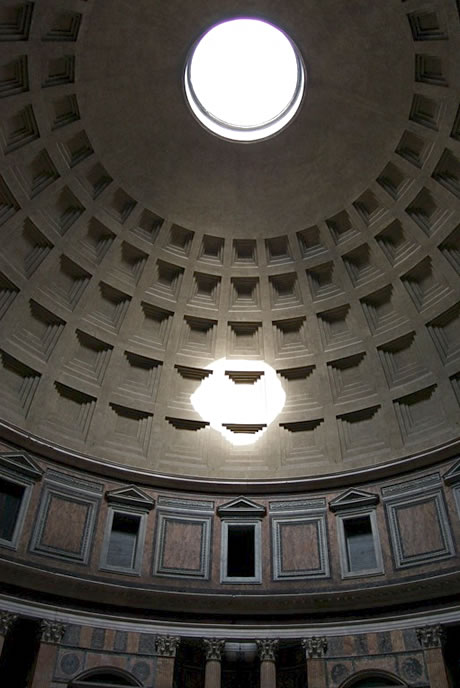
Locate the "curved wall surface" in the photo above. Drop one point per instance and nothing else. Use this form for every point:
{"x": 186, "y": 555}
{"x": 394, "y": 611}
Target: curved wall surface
{"x": 136, "y": 251}
{"x": 137, "y": 248}
{"x": 305, "y": 558}
{"x": 172, "y": 614}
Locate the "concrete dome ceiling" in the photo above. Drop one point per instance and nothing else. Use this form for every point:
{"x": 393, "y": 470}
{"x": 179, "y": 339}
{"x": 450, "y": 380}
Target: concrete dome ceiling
{"x": 137, "y": 248}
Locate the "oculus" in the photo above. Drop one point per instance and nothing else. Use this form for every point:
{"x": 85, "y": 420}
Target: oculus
{"x": 244, "y": 79}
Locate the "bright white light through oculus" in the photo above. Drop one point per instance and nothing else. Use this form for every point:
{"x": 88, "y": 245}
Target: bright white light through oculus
{"x": 220, "y": 400}
{"x": 244, "y": 79}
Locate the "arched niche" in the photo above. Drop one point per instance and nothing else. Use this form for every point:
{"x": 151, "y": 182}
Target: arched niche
{"x": 373, "y": 679}
{"x": 104, "y": 677}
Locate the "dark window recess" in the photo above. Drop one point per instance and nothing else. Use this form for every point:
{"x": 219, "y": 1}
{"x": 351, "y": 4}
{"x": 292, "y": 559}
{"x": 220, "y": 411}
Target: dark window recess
{"x": 452, "y": 654}
{"x": 360, "y": 544}
{"x": 241, "y": 551}
{"x": 240, "y": 666}
{"x": 123, "y": 541}
{"x": 19, "y": 653}
{"x": 189, "y": 665}
{"x": 11, "y": 496}
{"x": 291, "y": 667}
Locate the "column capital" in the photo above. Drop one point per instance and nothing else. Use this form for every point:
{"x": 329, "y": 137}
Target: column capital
{"x": 213, "y": 648}
{"x": 266, "y": 648}
{"x": 166, "y": 645}
{"x": 430, "y": 636}
{"x": 7, "y": 619}
{"x": 51, "y": 631}
{"x": 315, "y": 647}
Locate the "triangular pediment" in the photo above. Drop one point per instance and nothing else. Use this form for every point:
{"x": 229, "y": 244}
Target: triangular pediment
{"x": 241, "y": 506}
{"x": 20, "y": 462}
{"x": 353, "y": 499}
{"x": 130, "y": 496}
{"x": 453, "y": 474}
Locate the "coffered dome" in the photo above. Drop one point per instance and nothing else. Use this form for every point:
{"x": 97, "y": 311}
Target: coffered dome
{"x": 138, "y": 248}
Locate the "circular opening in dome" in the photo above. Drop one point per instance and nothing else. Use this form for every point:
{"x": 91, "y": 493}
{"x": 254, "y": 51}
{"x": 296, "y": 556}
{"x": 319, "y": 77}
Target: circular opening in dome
{"x": 244, "y": 79}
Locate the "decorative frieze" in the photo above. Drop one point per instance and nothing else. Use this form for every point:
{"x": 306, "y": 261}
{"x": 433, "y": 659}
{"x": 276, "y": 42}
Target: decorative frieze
{"x": 75, "y": 482}
{"x": 430, "y": 636}
{"x": 266, "y": 648}
{"x": 185, "y": 504}
{"x": 213, "y": 648}
{"x": 51, "y": 631}
{"x": 420, "y": 484}
{"x": 315, "y": 647}
{"x": 7, "y": 619}
{"x": 313, "y": 504}
{"x": 166, "y": 645}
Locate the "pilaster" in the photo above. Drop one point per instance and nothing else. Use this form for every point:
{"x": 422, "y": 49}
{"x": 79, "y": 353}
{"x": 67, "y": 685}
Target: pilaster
{"x": 7, "y": 619}
{"x": 431, "y": 638}
{"x": 166, "y": 648}
{"x": 315, "y": 650}
{"x": 213, "y": 648}
{"x": 51, "y": 634}
{"x": 266, "y": 648}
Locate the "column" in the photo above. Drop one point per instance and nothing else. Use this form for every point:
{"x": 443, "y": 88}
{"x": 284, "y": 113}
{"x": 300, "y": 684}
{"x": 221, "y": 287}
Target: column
{"x": 213, "y": 648}
{"x": 166, "y": 647}
{"x": 315, "y": 649}
{"x": 51, "y": 634}
{"x": 431, "y": 638}
{"x": 267, "y": 649}
{"x": 7, "y": 619}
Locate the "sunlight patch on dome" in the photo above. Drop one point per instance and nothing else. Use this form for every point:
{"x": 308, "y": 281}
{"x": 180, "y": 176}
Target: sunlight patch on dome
{"x": 240, "y": 394}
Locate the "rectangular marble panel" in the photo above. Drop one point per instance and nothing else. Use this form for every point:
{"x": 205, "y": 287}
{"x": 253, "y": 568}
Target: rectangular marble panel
{"x": 299, "y": 546}
{"x": 59, "y": 507}
{"x": 182, "y": 545}
{"x": 56, "y": 532}
{"x": 417, "y": 539}
{"x": 294, "y": 555}
{"x": 419, "y": 529}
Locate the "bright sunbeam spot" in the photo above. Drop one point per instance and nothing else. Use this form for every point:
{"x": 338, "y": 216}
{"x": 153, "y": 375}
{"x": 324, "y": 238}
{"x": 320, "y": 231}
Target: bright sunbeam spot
{"x": 221, "y": 400}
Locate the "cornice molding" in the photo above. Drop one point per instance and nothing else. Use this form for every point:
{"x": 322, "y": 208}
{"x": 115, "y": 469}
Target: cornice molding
{"x": 452, "y": 477}
{"x": 128, "y": 474}
{"x": 353, "y": 499}
{"x": 19, "y": 462}
{"x": 182, "y": 601}
{"x": 241, "y": 506}
{"x": 130, "y": 495}
{"x": 228, "y": 631}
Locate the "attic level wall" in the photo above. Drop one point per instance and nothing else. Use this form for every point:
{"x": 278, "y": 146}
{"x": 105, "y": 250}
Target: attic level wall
{"x": 138, "y": 546}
